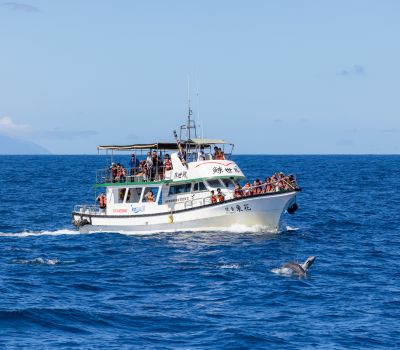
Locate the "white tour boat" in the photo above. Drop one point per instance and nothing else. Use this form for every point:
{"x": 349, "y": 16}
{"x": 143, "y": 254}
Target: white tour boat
{"x": 181, "y": 199}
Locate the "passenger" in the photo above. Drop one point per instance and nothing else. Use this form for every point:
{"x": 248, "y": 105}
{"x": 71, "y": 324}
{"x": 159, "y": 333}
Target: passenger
{"x": 246, "y": 189}
{"x": 167, "y": 163}
{"x": 220, "y": 195}
{"x": 149, "y": 166}
{"x": 257, "y": 189}
{"x": 237, "y": 193}
{"x": 268, "y": 185}
{"x": 216, "y": 153}
{"x": 201, "y": 156}
{"x": 134, "y": 165}
{"x": 182, "y": 156}
{"x": 102, "y": 199}
{"x": 121, "y": 173}
{"x": 154, "y": 160}
{"x": 143, "y": 170}
{"x": 121, "y": 194}
{"x": 160, "y": 166}
{"x": 114, "y": 171}
{"x": 221, "y": 154}
{"x": 280, "y": 186}
{"x": 150, "y": 196}
{"x": 213, "y": 198}
{"x": 292, "y": 181}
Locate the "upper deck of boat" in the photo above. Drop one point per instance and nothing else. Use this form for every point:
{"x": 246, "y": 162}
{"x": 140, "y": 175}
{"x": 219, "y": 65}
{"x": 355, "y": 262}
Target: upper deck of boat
{"x": 148, "y": 163}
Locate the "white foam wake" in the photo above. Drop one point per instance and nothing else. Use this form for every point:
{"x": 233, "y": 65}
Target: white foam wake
{"x": 39, "y": 233}
{"x": 237, "y": 228}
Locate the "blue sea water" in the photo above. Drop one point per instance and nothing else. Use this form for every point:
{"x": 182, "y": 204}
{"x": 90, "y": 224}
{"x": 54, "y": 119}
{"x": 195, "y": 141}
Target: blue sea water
{"x": 60, "y": 289}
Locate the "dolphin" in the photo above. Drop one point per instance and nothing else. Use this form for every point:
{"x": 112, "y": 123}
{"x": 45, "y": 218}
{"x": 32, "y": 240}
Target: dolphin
{"x": 294, "y": 268}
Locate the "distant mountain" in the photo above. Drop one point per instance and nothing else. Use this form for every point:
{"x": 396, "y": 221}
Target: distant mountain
{"x": 9, "y": 145}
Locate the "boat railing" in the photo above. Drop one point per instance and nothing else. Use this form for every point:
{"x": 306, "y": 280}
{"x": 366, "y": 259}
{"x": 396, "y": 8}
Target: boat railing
{"x": 198, "y": 202}
{"x": 130, "y": 175}
{"x": 88, "y": 209}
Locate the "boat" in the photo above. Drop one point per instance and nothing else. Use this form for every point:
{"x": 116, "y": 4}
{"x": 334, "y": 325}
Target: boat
{"x": 176, "y": 195}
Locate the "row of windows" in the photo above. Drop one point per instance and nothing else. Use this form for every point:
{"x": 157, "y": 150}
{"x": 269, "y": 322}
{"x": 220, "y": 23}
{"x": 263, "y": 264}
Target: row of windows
{"x": 133, "y": 194}
{"x": 199, "y": 186}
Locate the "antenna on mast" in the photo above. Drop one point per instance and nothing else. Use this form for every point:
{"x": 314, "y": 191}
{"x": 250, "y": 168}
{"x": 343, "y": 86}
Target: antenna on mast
{"x": 190, "y": 123}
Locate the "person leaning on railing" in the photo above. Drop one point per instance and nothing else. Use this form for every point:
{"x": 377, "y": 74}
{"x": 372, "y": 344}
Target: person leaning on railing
{"x": 220, "y": 195}
{"x": 237, "y": 193}
{"x": 213, "y": 197}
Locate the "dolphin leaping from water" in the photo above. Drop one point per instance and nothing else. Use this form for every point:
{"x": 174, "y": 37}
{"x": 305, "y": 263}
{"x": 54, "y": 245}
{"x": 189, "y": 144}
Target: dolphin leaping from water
{"x": 294, "y": 268}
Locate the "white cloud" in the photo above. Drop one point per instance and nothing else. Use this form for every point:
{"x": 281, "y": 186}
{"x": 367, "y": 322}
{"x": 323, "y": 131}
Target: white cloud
{"x": 8, "y": 126}
{"x": 16, "y": 6}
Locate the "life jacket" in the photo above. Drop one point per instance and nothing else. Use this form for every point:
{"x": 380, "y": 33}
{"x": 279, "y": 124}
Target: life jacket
{"x": 103, "y": 201}
{"x": 114, "y": 171}
{"x": 221, "y": 197}
{"x": 214, "y": 199}
{"x": 168, "y": 165}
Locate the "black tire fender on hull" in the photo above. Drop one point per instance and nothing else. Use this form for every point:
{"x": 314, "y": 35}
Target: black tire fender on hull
{"x": 293, "y": 208}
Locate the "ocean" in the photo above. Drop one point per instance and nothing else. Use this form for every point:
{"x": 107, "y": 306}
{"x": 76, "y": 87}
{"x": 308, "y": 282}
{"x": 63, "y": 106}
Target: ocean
{"x": 216, "y": 290}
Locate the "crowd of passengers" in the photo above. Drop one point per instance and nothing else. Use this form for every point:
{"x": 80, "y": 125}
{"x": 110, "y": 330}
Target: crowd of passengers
{"x": 153, "y": 168}
{"x": 276, "y": 183}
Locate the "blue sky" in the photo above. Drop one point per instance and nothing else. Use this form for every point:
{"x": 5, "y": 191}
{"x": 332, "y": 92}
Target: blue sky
{"x": 273, "y": 76}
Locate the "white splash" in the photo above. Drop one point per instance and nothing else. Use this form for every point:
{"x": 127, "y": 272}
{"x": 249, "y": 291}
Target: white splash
{"x": 230, "y": 266}
{"x": 40, "y": 233}
{"x": 282, "y": 271}
{"x": 290, "y": 228}
{"x": 36, "y": 261}
{"x": 237, "y": 228}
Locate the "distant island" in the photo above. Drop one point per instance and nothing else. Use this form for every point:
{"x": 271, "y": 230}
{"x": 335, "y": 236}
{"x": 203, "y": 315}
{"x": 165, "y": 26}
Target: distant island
{"x": 12, "y": 146}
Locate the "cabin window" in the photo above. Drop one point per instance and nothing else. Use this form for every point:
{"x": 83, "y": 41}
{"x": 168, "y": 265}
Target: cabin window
{"x": 133, "y": 195}
{"x": 119, "y": 195}
{"x": 199, "y": 186}
{"x": 146, "y": 196}
{"x": 214, "y": 183}
{"x": 228, "y": 183}
{"x": 178, "y": 189}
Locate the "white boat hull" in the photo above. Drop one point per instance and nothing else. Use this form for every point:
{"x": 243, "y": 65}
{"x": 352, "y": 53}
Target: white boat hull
{"x": 263, "y": 212}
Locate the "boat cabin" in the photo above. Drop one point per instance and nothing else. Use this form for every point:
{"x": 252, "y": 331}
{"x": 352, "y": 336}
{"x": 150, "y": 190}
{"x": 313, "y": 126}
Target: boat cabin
{"x": 164, "y": 177}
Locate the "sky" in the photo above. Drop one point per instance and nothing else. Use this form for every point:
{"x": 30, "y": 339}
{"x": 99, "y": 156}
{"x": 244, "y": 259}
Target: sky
{"x": 272, "y": 77}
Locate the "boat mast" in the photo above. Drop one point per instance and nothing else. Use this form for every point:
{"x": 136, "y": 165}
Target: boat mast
{"x": 190, "y": 123}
